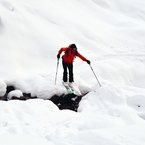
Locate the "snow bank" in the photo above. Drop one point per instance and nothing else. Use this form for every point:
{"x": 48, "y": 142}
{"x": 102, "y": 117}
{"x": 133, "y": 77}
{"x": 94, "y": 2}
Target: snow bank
{"x": 9, "y": 139}
{"x": 15, "y": 93}
{"x": 137, "y": 102}
{"x": 2, "y": 88}
{"x": 108, "y": 33}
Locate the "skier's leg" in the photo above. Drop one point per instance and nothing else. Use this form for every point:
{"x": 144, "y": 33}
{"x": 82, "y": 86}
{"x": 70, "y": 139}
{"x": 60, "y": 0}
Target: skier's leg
{"x": 64, "y": 71}
{"x": 70, "y": 67}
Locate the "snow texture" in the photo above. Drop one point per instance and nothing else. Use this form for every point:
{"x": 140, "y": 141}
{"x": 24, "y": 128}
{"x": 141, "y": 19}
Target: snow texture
{"x": 108, "y": 33}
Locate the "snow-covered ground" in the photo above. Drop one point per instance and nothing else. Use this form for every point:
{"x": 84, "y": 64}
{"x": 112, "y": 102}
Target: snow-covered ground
{"x": 108, "y": 33}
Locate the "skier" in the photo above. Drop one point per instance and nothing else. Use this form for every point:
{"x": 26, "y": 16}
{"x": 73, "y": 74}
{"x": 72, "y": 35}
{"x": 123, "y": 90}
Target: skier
{"x": 67, "y": 61}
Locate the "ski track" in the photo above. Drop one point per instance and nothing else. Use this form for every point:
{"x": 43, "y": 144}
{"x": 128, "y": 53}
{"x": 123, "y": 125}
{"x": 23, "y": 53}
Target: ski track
{"x": 120, "y": 56}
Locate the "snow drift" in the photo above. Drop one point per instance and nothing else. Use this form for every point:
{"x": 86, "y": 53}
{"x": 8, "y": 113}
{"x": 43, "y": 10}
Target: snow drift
{"x": 110, "y": 34}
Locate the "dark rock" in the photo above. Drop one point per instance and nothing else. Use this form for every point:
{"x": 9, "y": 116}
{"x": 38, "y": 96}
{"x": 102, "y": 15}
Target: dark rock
{"x": 68, "y": 101}
{"x": 64, "y": 101}
{"x": 9, "y": 89}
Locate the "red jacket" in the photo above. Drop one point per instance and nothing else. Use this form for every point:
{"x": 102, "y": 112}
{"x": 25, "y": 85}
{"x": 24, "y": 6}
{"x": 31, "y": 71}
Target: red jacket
{"x": 69, "y": 56}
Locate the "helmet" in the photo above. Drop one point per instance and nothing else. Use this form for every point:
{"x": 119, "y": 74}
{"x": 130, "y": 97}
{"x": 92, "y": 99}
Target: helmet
{"x": 73, "y": 46}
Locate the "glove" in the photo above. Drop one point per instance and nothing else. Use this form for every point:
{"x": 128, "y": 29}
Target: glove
{"x": 58, "y": 56}
{"x": 88, "y": 61}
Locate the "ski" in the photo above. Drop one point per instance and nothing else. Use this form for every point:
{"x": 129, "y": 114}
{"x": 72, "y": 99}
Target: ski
{"x": 68, "y": 89}
{"x": 74, "y": 89}
{"x": 71, "y": 89}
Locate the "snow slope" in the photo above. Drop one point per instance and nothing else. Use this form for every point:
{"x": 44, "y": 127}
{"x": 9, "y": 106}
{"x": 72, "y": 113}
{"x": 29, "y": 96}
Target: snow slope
{"x": 108, "y": 33}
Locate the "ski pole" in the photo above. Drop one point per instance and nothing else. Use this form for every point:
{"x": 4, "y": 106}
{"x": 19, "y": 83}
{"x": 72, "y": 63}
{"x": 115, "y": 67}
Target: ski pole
{"x": 95, "y": 75}
{"x": 56, "y": 71}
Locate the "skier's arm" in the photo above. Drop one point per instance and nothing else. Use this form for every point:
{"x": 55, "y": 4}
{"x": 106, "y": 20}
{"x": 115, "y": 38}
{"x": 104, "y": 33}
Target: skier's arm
{"x": 80, "y": 56}
{"x": 60, "y": 51}
{"x": 83, "y": 58}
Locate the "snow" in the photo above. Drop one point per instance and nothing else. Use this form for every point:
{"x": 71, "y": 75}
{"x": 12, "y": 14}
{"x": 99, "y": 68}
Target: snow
{"x": 108, "y": 33}
{"x": 2, "y": 88}
{"x": 16, "y": 93}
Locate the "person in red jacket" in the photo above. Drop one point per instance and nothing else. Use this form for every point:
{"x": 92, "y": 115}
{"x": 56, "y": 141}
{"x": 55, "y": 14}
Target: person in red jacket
{"x": 67, "y": 60}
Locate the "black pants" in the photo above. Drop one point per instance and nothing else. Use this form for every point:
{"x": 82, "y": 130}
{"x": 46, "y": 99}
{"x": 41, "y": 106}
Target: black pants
{"x": 68, "y": 66}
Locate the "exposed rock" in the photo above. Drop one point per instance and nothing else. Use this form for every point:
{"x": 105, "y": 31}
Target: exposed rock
{"x": 69, "y": 101}
{"x": 9, "y": 89}
{"x": 64, "y": 101}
